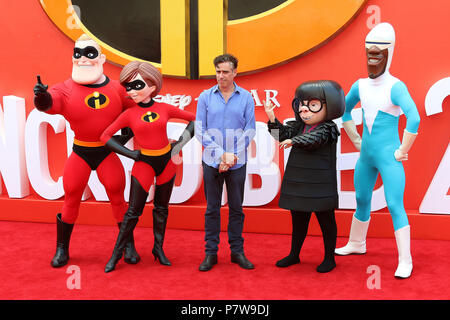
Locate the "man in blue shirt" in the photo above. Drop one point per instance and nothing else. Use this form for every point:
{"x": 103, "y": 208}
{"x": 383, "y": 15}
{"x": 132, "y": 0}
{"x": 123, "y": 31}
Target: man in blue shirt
{"x": 225, "y": 125}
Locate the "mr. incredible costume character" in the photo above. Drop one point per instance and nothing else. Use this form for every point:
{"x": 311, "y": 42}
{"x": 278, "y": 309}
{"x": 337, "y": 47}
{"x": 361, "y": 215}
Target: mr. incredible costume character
{"x": 153, "y": 155}
{"x": 310, "y": 182}
{"x": 383, "y": 99}
{"x": 90, "y": 102}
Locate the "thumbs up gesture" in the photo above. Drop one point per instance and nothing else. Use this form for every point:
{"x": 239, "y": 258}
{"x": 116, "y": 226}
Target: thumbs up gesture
{"x": 39, "y": 87}
{"x": 42, "y": 99}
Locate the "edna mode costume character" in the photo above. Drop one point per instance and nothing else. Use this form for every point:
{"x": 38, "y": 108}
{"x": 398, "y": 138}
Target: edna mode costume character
{"x": 309, "y": 182}
{"x": 383, "y": 99}
{"x": 148, "y": 121}
{"x": 90, "y": 102}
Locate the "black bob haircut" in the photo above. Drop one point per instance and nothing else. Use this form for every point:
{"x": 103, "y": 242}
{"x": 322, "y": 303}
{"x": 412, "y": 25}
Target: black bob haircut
{"x": 327, "y": 91}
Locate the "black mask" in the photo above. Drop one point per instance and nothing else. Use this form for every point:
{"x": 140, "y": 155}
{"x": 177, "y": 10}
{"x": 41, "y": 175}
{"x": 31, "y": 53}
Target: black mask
{"x": 89, "y": 52}
{"x": 135, "y": 85}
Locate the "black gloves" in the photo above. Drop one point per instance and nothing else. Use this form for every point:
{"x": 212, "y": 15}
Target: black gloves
{"x": 42, "y": 99}
{"x": 125, "y": 135}
{"x": 115, "y": 146}
{"x": 187, "y": 134}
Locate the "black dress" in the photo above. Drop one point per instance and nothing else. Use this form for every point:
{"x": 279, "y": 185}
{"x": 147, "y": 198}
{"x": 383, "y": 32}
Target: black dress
{"x": 309, "y": 182}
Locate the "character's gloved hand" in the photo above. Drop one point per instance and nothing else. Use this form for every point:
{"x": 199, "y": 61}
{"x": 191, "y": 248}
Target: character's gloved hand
{"x": 401, "y": 154}
{"x": 42, "y": 99}
{"x": 187, "y": 134}
{"x": 350, "y": 129}
{"x": 175, "y": 147}
{"x": 39, "y": 87}
{"x": 115, "y": 146}
{"x": 125, "y": 135}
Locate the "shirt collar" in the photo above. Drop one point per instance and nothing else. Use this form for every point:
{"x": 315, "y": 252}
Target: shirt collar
{"x": 237, "y": 89}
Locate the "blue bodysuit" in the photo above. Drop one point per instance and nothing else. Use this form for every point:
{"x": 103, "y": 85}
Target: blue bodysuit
{"x": 383, "y": 100}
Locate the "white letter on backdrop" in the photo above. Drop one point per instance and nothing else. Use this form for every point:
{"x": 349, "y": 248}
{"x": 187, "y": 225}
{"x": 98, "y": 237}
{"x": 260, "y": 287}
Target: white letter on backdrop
{"x": 36, "y": 153}
{"x": 436, "y": 199}
{"x": 12, "y": 147}
{"x": 271, "y": 96}
{"x": 262, "y": 165}
{"x": 347, "y": 161}
{"x": 191, "y": 162}
{"x": 255, "y": 96}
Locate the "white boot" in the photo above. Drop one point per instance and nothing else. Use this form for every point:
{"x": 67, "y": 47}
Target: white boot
{"x": 403, "y": 239}
{"x": 357, "y": 238}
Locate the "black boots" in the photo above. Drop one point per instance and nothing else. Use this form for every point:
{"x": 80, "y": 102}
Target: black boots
{"x": 63, "y": 233}
{"x": 130, "y": 254}
{"x": 138, "y": 197}
{"x": 160, "y": 215}
{"x": 126, "y": 229}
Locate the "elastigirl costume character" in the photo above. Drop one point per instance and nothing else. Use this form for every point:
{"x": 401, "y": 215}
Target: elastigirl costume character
{"x": 309, "y": 182}
{"x": 90, "y": 102}
{"x": 148, "y": 121}
{"x": 383, "y": 99}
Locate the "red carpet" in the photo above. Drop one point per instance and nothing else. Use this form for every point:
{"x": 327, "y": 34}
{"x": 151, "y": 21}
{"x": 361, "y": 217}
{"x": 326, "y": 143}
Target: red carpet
{"x": 27, "y": 248}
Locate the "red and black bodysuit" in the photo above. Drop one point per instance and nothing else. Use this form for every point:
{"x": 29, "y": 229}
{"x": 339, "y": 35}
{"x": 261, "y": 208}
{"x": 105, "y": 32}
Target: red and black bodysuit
{"x": 149, "y": 125}
{"x": 90, "y": 109}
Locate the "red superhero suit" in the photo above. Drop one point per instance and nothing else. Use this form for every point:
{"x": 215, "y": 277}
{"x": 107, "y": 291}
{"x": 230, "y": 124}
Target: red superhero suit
{"x": 90, "y": 109}
{"x": 148, "y": 121}
{"x": 90, "y": 102}
{"x": 149, "y": 125}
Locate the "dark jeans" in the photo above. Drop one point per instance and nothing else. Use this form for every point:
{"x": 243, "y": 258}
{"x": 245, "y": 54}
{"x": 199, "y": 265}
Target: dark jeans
{"x": 213, "y": 186}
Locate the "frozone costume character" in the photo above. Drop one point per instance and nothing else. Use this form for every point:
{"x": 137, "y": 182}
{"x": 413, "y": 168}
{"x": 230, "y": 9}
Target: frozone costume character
{"x": 90, "y": 102}
{"x": 148, "y": 121}
{"x": 309, "y": 182}
{"x": 383, "y": 99}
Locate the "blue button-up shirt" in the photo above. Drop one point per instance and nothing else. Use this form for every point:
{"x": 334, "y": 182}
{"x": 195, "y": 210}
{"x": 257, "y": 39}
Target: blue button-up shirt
{"x": 225, "y": 126}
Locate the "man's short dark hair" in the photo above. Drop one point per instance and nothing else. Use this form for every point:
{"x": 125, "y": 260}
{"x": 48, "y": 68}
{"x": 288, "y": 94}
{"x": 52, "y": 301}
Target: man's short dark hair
{"x": 226, "y": 58}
